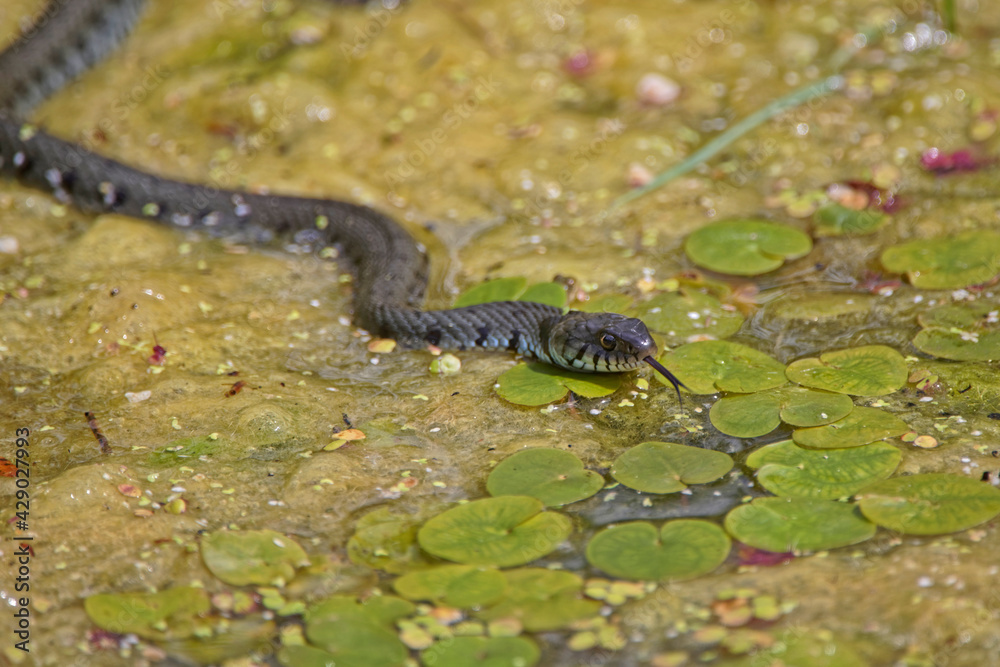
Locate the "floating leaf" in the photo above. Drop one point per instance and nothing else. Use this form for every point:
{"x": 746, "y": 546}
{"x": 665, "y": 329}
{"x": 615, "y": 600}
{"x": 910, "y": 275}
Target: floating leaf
{"x": 679, "y": 550}
{"x": 930, "y": 504}
{"x": 453, "y": 585}
{"x": 752, "y": 415}
{"x": 666, "y": 467}
{"x": 862, "y": 426}
{"x": 605, "y": 303}
{"x": 745, "y": 247}
{"x": 384, "y": 541}
{"x": 688, "y": 313}
{"x": 797, "y": 524}
{"x": 543, "y": 599}
{"x": 538, "y": 384}
{"x": 504, "y": 531}
{"x": 167, "y": 614}
{"x": 305, "y": 656}
{"x": 554, "y": 476}
{"x": 815, "y": 306}
{"x": 968, "y": 258}
{"x": 788, "y": 470}
{"x": 482, "y": 652}
{"x": 513, "y": 289}
{"x": 247, "y": 557}
{"x": 551, "y": 294}
{"x": 358, "y": 634}
{"x": 837, "y": 220}
{"x": 961, "y": 331}
{"x": 714, "y": 365}
{"x": 870, "y": 370}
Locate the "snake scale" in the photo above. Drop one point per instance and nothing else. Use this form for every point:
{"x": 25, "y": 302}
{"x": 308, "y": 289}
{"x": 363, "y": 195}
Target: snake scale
{"x": 70, "y": 36}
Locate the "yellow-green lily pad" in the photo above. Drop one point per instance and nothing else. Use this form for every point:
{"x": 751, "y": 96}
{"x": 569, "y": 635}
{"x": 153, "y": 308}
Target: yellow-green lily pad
{"x": 838, "y": 220}
{"x": 745, "y": 247}
{"x": 667, "y": 467}
{"x": 453, "y": 585}
{"x": 870, "y": 370}
{"x": 241, "y": 558}
{"x": 860, "y": 427}
{"x": 542, "y": 599}
{"x": 539, "y": 384}
{"x": 785, "y": 469}
{"x": 961, "y": 331}
{"x": 482, "y": 652}
{"x": 358, "y": 634}
{"x": 752, "y": 415}
{"x": 681, "y": 549}
{"x": 687, "y": 313}
{"x": 798, "y": 524}
{"x": 167, "y": 614}
{"x": 512, "y": 289}
{"x": 554, "y": 476}
{"x": 968, "y": 258}
{"x": 385, "y": 541}
{"x": 720, "y": 365}
{"x": 504, "y": 531}
{"x": 930, "y": 504}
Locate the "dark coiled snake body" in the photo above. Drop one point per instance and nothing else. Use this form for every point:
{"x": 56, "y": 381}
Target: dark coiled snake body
{"x": 391, "y": 269}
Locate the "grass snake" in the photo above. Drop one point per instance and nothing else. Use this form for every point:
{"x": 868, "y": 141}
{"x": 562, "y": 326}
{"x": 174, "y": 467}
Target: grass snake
{"x": 391, "y": 268}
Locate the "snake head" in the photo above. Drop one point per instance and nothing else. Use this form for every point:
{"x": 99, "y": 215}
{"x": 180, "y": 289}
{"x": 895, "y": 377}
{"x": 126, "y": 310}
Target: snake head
{"x": 604, "y": 343}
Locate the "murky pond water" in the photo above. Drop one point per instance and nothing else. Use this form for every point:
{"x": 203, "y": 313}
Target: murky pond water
{"x": 500, "y": 133}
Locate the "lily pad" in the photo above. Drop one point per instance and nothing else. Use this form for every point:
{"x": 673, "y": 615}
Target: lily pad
{"x": 788, "y": 470}
{"x": 385, "y": 541}
{"x": 454, "y": 585}
{"x": 605, "y": 303}
{"x": 870, "y": 370}
{"x": 543, "y": 600}
{"x": 248, "y": 557}
{"x": 513, "y": 289}
{"x": 818, "y": 306}
{"x": 504, "y": 531}
{"x": 745, "y": 247}
{"x": 679, "y": 550}
{"x": 482, "y": 652}
{"x": 797, "y": 524}
{"x": 860, "y": 427}
{"x": 538, "y": 384}
{"x": 554, "y": 476}
{"x": 752, "y": 415}
{"x": 687, "y": 313}
{"x": 930, "y": 504}
{"x": 167, "y": 614}
{"x": 950, "y": 262}
{"x": 359, "y": 634}
{"x": 719, "y": 365}
{"x": 667, "y": 467}
{"x": 961, "y": 331}
{"x": 837, "y": 220}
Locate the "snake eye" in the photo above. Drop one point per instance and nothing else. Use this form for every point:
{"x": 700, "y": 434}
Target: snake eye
{"x": 608, "y": 341}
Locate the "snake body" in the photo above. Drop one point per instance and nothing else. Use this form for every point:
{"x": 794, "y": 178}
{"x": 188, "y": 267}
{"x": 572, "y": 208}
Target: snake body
{"x": 390, "y": 268}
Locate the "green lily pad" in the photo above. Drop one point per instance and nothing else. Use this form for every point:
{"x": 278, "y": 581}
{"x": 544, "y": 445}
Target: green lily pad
{"x": 667, "y": 467}
{"x": 358, "y": 634}
{"x": 482, "y": 652}
{"x": 969, "y": 258}
{"x": 862, "y": 426}
{"x": 681, "y": 549}
{"x": 818, "y": 306}
{"x": 798, "y": 524}
{"x": 512, "y": 289}
{"x": 688, "y": 313}
{"x": 870, "y": 370}
{"x": 248, "y": 557}
{"x": 538, "y": 384}
{"x": 719, "y": 365}
{"x": 543, "y": 599}
{"x": 454, "y": 585}
{"x": 745, "y": 247}
{"x": 554, "y": 476}
{"x": 788, "y": 470}
{"x": 385, "y": 541}
{"x": 837, "y": 220}
{"x": 504, "y": 531}
{"x": 930, "y": 504}
{"x": 167, "y": 614}
{"x": 605, "y": 303}
{"x": 752, "y": 415}
{"x": 961, "y": 331}
{"x": 305, "y": 656}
